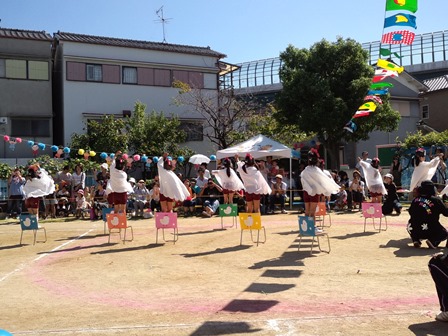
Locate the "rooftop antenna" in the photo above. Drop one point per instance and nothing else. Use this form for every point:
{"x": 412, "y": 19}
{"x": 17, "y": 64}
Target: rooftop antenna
{"x": 162, "y": 20}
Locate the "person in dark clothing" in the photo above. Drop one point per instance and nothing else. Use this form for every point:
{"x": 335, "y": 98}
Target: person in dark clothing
{"x": 391, "y": 202}
{"x": 425, "y": 211}
{"x": 211, "y": 194}
{"x": 438, "y": 267}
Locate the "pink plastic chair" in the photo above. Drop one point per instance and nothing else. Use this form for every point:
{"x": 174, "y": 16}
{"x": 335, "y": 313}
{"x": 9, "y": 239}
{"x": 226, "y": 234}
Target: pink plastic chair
{"x": 166, "y": 220}
{"x": 373, "y": 210}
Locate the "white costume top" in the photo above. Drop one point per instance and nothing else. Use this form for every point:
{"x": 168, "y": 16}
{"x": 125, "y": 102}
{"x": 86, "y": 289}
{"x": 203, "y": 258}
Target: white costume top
{"x": 315, "y": 182}
{"x": 424, "y": 171}
{"x": 253, "y": 180}
{"x": 170, "y": 185}
{"x": 373, "y": 178}
{"x": 118, "y": 181}
{"x": 39, "y": 187}
{"x": 231, "y": 182}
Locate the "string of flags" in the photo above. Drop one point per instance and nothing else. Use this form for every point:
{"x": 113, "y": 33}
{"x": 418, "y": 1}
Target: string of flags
{"x": 400, "y": 25}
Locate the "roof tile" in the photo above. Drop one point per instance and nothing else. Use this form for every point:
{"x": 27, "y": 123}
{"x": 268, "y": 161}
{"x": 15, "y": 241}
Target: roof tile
{"x": 25, "y": 34}
{"x": 436, "y": 84}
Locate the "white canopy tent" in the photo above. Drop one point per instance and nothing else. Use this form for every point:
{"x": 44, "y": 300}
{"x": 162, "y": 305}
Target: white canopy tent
{"x": 260, "y": 146}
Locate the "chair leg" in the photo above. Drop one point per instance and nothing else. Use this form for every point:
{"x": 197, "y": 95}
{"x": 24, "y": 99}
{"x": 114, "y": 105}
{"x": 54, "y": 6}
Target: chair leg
{"x": 35, "y": 234}
{"x": 300, "y": 242}
{"x": 21, "y": 235}
{"x": 241, "y": 237}
{"x": 157, "y": 235}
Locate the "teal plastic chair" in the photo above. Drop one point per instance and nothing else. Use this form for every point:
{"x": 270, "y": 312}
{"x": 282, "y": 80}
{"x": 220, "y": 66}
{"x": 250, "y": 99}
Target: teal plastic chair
{"x": 30, "y": 223}
{"x": 307, "y": 228}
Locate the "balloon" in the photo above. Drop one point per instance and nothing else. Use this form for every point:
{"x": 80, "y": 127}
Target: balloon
{"x": 66, "y": 150}
{"x": 169, "y": 158}
{"x": 54, "y": 148}
{"x": 136, "y": 157}
{"x": 6, "y": 137}
{"x": 18, "y": 140}
{"x": 41, "y": 146}
{"x": 30, "y": 143}
{"x": 144, "y": 158}
{"x": 180, "y": 159}
{"x": 81, "y": 151}
{"x": 92, "y": 153}
{"x": 35, "y": 147}
{"x": 103, "y": 155}
{"x": 213, "y": 157}
{"x": 112, "y": 155}
{"x": 125, "y": 156}
{"x": 155, "y": 159}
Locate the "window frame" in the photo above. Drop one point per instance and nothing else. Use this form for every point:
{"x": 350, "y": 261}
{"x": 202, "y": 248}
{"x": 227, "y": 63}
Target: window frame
{"x": 124, "y": 80}
{"x": 425, "y": 110}
{"x": 94, "y": 66}
{"x": 194, "y": 129}
{"x": 32, "y": 130}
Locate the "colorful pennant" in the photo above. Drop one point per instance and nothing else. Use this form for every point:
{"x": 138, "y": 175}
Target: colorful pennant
{"x": 369, "y": 106}
{"x": 376, "y": 99}
{"x": 401, "y": 19}
{"x": 398, "y": 37}
{"x": 409, "y": 5}
{"x": 389, "y": 66}
{"x": 381, "y": 85}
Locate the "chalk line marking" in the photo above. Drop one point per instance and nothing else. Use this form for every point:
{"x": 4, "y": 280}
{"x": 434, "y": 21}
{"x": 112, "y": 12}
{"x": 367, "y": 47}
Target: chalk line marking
{"x": 22, "y": 266}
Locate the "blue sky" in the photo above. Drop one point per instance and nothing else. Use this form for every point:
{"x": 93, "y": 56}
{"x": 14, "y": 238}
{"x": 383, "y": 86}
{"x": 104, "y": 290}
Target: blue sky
{"x": 244, "y": 30}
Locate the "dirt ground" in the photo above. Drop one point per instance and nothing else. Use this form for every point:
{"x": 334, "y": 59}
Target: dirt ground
{"x": 208, "y": 284}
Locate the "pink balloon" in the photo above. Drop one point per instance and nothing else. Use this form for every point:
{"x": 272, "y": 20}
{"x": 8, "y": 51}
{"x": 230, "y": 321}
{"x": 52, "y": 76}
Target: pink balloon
{"x": 136, "y": 157}
{"x": 6, "y": 137}
{"x": 18, "y": 140}
{"x": 125, "y": 156}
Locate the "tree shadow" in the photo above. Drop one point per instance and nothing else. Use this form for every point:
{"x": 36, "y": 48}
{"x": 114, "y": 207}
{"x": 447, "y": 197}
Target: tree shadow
{"x": 404, "y": 250}
{"x": 129, "y": 249}
{"x": 224, "y": 328}
{"x": 433, "y": 328}
{"x": 217, "y": 251}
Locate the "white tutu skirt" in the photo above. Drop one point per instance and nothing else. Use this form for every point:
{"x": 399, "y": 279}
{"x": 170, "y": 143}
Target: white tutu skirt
{"x": 118, "y": 181}
{"x": 39, "y": 187}
{"x": 231, "y": 182}
{"x": 315, "y": 182}
{"x": 170, "y": 185}
{"x": 253, "y": 180}
{"x": 424, "y": 171}
{"x": 373, "y": 178}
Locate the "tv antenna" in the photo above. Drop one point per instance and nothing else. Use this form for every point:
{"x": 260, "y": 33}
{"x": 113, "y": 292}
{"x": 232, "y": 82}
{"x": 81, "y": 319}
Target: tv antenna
{"x": 162, "y": 20}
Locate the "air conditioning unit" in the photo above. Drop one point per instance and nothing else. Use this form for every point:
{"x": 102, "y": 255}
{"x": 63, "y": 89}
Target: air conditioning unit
{"x": 127, "y": 113}
{"x": 3, "y": 121}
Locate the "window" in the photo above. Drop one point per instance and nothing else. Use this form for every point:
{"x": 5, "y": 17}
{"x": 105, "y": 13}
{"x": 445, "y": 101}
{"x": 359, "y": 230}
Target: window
{"x": 38, "y": 70}
{"x": 30, "y": 127}
{"x": 2, "y": 68}
{"x": 129, "y": 75}
{"x": 15, "y": 69}
{"x": 94, "y": 73}
{"x": 194, "y": 130}
{"x": 425, "y": 112}
{"x": 76, "y": 71}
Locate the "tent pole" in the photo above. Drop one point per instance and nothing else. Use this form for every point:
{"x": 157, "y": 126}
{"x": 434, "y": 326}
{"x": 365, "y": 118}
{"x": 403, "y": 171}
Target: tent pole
{"x": 291, "y": 192}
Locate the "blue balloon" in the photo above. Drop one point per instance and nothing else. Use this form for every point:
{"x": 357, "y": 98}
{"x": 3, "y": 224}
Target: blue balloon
{"x": 213, "y": 157}
{"x": 143, "y": 158}
{"x": 5, "y": 333}
{"x": 66, "y": 150}
{"x": 112, "y": 155}
{"x": 180, "y": 159}
{"x": 169, "y": 157}
{"x": 30, "y": 143}
{"x": 155, "y": 159}
{"x": 54, "y": 148}
{"x": 41, "y": 146}
{"x": 103, "y": 155}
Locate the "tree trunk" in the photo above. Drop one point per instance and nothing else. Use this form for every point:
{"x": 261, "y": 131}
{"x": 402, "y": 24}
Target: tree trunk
{"x": 332, "y": 148}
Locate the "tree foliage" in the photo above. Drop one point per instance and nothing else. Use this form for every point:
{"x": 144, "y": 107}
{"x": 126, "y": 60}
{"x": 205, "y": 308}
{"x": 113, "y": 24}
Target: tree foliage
{"x": 418, "y": 139}
{"x": 322, "y": 89}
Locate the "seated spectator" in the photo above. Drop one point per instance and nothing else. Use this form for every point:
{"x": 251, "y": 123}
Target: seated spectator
{"x": 342, "y": 195}
{"x": 190, "y": 201}
{"x": 210, "y": 194}
{"x": 100, "y": 199}
{"x": 278, "y": 194}
{"x": 81, "y": 203}
{"x": 154, "y": 196}
{"x": 141, "y": 198}
{"x": 201, "y": 180}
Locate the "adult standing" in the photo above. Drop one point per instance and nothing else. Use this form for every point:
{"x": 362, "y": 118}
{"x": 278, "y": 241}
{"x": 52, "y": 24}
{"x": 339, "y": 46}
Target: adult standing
{"x": 171, "y": 187}
{"x": 16, "y": 182}
{"x": 424, "y": 212}
{"x": 38, "y": 184}
{"x": 315, "y": 183}
{"x": 396, "y": 170}
{"x": 254, "y": 182}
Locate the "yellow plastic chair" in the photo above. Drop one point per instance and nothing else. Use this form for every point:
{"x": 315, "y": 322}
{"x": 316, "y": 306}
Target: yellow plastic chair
{"x": 251, "y": 222}
{"x": 373, "y": 210}
{"x": 30, "y": 223}
{"x": 307, "y": 228}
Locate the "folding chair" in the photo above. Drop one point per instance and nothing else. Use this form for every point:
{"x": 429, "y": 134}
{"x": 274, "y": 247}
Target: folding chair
{"x": 167, "y": 220}
{"x": 104, "y": 213}
{"x": 251, "y": 221}
{"x": 117, "y": 222}
{"x": 320, "y": 213}
{"x": 308, "y": 229}
{"x": 30, "y": 222}
{"x": 229, "y": 210}
{"x": 373, "y": 210}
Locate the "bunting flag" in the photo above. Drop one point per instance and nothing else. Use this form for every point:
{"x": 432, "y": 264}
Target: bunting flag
{"x": 387, "y": 52}
{"x": 401, "y": 19}
{"x": 378, "y": 92}
{"x": 381, "y": 85}
{"x": 381, "y": 74}
{"x": 376, "y": 99}
{"x": 398, "y": 37}
{"x": 409, "y": 5}
{"x": 350, "y": 126}
{"x": 369, "y": 106}
{"x": 360, "y": 114}
{"x": 389, "y": 66}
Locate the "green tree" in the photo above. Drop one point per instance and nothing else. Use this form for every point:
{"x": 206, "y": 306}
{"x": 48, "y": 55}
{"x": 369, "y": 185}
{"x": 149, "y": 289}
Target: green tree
{"x": 322, "y": 89}
{"x": 106, "y": 135}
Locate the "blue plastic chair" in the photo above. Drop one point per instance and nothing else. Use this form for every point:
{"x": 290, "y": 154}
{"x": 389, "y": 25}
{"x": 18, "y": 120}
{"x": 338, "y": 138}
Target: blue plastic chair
{"x": 307, "y": 228}
{"x": 30, "y": 223}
